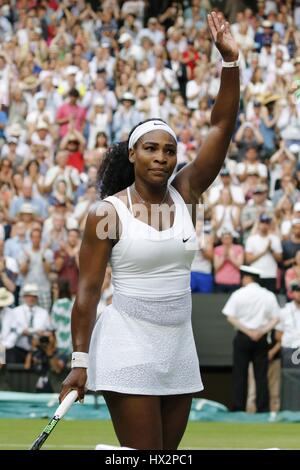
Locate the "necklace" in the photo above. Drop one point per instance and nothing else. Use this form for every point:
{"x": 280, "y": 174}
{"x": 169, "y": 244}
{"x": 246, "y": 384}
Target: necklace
{"x": 144, "y": 202}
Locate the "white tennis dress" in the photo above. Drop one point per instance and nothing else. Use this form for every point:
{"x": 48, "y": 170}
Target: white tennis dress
{"x": 143, "y": 343}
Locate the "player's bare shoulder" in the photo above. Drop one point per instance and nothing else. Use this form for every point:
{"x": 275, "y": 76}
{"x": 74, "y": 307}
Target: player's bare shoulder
{"x": 103, "y": 219}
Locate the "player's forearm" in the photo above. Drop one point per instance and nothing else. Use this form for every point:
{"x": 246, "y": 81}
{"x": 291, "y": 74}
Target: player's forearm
{"x": 226, "y": 106}
{"x": 83, "y": 321}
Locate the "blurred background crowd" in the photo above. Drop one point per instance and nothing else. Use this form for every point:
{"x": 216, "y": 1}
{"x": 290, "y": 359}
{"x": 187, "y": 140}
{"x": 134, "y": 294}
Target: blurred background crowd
{"x": 76, "y": 76}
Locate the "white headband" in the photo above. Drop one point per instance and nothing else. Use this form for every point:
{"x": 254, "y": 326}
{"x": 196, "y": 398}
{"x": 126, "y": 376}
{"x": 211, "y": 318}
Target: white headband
{"x": 148, "y": 127}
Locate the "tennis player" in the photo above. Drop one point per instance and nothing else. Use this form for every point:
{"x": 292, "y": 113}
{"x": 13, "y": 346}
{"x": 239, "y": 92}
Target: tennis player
{"x": 141, "y": 352}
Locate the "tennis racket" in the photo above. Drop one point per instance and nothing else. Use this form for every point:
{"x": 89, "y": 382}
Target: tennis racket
{"x": 59, "y": 413}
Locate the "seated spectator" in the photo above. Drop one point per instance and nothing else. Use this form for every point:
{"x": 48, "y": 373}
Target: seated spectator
{"x": 288, "y": 329}
{"x": 263, "y": 251}
{"x": 228, "y": 257}
{"x": 27, "y": 320}
{"x": 201, "y": 269}
{"x": 284, "y": 215}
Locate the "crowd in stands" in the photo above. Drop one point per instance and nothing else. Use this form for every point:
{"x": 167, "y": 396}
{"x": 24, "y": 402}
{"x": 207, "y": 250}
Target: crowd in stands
{"x": 77, "y": 76}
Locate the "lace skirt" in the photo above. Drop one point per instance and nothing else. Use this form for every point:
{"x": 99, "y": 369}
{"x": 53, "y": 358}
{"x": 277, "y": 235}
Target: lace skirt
{"x": 145, "y": 347}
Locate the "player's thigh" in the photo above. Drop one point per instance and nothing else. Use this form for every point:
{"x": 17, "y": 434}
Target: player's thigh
{"x": 175, "y": 414}
{"x": 136, "y": 419}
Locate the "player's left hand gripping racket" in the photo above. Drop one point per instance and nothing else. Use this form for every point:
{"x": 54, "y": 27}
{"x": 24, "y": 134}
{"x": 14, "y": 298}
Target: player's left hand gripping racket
{"x": 59, "y": 413}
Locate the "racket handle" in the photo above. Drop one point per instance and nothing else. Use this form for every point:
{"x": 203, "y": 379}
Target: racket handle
{"x": 66, "y": 404}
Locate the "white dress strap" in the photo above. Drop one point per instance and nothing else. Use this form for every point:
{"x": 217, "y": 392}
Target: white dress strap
{"x": 129, "y": 200}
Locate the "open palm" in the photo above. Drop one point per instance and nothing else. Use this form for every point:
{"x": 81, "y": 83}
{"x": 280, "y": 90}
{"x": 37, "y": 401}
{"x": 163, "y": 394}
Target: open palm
{"x": 223, "y": 39}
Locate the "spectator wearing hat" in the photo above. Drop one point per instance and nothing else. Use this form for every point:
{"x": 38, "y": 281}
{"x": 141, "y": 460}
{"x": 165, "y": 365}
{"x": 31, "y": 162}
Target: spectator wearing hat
{"x": 15, "y": 132}
{"x": 70, "y": 115}
{"x": 228, "y": 257}
{"x": 13, "y": 153}
{"x": 257, "y": 205}
{"x": 288, "y": 329}
{"x": 270, "y": 113}
{"x": 125, "y": 118}
{"x": 35, "y": 265}
{"x": 263, "y": 251}
{"x": 129, "y": 48}
{"x": 43, "y": 135}
{"x": 253, "y": 311}
{"x": 28, "y": 319}
{"x": 7, "y": 333}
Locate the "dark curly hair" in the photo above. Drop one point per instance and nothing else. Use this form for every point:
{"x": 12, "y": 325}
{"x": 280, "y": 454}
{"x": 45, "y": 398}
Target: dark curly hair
{"x": 116, "y": 171}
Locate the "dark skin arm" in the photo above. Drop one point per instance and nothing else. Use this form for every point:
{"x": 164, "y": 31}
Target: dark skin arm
{"x": 93, "y": 258}
{"x": 197, "y": 176}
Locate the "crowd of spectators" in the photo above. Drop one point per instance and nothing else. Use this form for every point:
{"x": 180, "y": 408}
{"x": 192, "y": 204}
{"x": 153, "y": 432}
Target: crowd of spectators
{"x": 77, "y": 76}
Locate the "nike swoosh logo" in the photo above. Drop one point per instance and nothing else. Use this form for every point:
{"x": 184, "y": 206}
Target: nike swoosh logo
{"x": 185, "y": 239}
{"x": 159, "y": 124}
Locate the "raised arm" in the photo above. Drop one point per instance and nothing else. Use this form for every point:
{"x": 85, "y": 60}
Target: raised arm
{"x": 197, "y": 176}
{"x": 94, "y": 254}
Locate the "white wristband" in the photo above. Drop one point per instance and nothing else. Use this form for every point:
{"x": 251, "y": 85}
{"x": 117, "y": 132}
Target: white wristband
{"x": 235, "y": 63}
{"x": 79, "y": 359}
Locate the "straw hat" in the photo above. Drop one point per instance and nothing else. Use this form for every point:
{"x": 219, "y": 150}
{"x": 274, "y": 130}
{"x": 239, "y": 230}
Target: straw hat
{"x": 269, "y": 97}
{"x": 6, "y": 297}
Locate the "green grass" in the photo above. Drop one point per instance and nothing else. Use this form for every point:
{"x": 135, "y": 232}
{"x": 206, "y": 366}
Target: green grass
{"x": 19, "y": 434}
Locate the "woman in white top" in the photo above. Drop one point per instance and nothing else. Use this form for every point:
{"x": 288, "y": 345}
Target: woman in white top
{"x": 141, "y": 352}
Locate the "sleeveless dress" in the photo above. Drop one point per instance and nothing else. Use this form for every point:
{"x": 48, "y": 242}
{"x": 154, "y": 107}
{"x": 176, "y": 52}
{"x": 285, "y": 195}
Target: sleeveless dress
{"x": 143, "y": 342}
